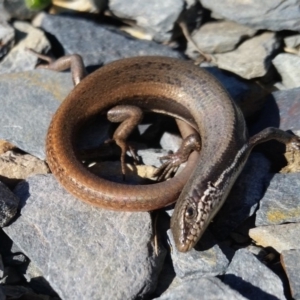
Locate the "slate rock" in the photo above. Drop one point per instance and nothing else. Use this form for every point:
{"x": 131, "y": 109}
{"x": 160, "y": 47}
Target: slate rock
{"x": 28, "y": 102}
{"x": 206, "y": 288}
{"x": 7, "y": 37}
{"x": 290, "y": 260}
{"x": 98, "y": 44}
{"x": 110, "y": 252}
{"x": 206, "y": 260}
{"x": 258, "y": 14}
{"x": 248, "y": 63}
{"x": 251, "y": 278}
{"x": 281, "y": 201}
{"x": 8, "y": 205}
{"x": 288, "y": 66}
{"x": 280, "y": 237}
{"x": 156, "y": 17}
{"x": 244, "y": 197}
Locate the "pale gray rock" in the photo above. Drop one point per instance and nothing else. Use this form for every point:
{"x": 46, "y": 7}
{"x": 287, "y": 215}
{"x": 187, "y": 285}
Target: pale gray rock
{"x": 219, "y": 37}
{"x": 156, "y": 17}
{"x": 98, "y": 44}
{"x": 290, "y": 260}
{"x": 280, "y": 237}
{"x": 259, "y": 14}
{"x": 252, "y": 279}
{"x": 206, "y": 288}
{"x": 8, "y": 205}
{"x": 281, "y": 201}
{"x": 28, "y": 102}
{"x": 206, "y": 260}
{"x": 7, "y": 37}
{"x": 292, "y": 41}
{"x": 84, "y": 252}
{"x": 244, "y": 197}
{"x": 151, "y": 156}
{"x": 288, "y": 66}
{"x": 252, "y": 58}
{"x": 19, "y": 59}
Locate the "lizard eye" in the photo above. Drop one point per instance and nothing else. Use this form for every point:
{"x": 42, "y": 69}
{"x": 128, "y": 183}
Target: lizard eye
{"x": 190, "y": 212}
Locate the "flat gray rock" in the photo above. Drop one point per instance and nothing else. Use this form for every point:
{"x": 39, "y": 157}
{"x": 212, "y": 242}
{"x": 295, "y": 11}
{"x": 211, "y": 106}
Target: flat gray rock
{"x": 84, "y": 252}
{"x": 156, "y": 17}
{"x": 28, "y": 102}
{"x": 290, "y": 260}
{"x": 244, "y": 196}
{"x": 281, "y": 201}
{"x": 288, "y": 66}
{"x": 258, "y": 14}
{"x": 207, "y": 260}
{"x": 280, "y": 237}
{"x": 292, "y": 41}
{"x": 252, "y": 279}
{"x": 206, "y": 288}
{"x": 248, "y": 63}
{"x": 8, "y": 205}
{"x": 98, "y": 44}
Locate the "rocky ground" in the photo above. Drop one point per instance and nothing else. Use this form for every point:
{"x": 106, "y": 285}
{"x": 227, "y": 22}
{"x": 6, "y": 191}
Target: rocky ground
{"x": 53, "y": 246}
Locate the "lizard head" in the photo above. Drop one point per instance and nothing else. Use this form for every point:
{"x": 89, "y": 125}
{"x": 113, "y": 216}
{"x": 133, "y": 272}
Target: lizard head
{"x": 192, "y": 214}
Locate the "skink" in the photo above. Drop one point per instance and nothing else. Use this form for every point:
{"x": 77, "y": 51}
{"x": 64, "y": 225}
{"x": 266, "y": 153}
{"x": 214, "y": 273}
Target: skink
{"x": 176, "y": 88}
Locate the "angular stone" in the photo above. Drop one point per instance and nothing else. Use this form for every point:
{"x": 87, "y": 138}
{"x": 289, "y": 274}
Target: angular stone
{"x": 207, "y": 260}
{"x": 99, "y": 44}
{"x": 156, "y": 17}
{"x": 292, "y": 41}
{"x": 279, "y": 237}
{"x": 248, "y": 63}
{"x": 251, "y": 278}
{"x": 290, "y": 260}
{"x": 288, "y": 66}
{"x": 258, "y": 14}
{"x": 281, "y": 201}
{"x": 7, "y": 37}
{"x": 111, "y": 252}
{"x": 28, "y": 103}
{"x": 206, "y": 288}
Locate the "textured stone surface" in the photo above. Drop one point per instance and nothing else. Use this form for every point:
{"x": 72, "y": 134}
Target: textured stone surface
{"x": 28, "y": 103}
{"x": 281, "y": 201}
{"x": 248, "y": 63}
{"x": 292, "y": 41}
{"x": 156, "y": 17}
{"x": 259, "y": 14}
{"x": 219, "y": 37}
{"x": 19, "y": 59}
{"x": 7, "y": 37}
{"x": 207, "y": 260}
{"x": 288, "y": 66}
{"x": 244, "y": 196}
{"x": 290, "y": 260}
{"x": 84, "y": 252}
{"x": 251, "y": 278}
{"x": 207, "y": 288}
{"x": 279, "y": 237}
{"x": 8, "y": 205}
{"x": 107, "y": 44}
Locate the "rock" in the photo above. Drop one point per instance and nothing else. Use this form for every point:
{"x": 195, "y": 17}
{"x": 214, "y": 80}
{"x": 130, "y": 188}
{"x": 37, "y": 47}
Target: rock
{"x": 292, "y": 41}
{"x": 290, "y": 260}
{"x": 248, "y": 63}
{"x": 19, "y": 59}
{"x": 99, "y": 44}
{"x": 93, "y": 6}
{"x": 258, "y": 14}
{"x": 279, "y": 237}
{"x": 244, "y": 197}
{"x": 207, "y": 260}
{"x": 218, "y": 37}
{"x": 8, "y": 205}
{"x": 28, "y": 99}
{"x": 281, "y": 201}
{"x": 251, "y": 278}
{"x": 207, "y": 288}
{"x": 7, "y": 37}
{"x": 68, "y": 239}
{"x": 157, "y": 17}
{"x": 288, "y": 66}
